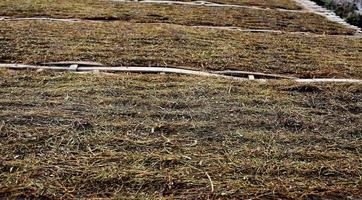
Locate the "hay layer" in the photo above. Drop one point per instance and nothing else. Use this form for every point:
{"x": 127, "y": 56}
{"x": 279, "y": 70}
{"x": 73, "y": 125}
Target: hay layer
{"x": 130, "y": 44}
{"x": 175, "y": 14}
{"x": 80, "y": 136}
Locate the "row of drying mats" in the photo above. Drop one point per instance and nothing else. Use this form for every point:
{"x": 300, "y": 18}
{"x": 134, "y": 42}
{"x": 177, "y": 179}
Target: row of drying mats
{"x": 309, "y": 7}
{"x": 93, "y": 67}
{"x": 227, "y": 28}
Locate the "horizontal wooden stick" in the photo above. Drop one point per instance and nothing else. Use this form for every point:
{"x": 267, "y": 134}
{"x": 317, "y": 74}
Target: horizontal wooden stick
{"x": 67, "y": 63}
{"x": 328, "y": 80}
{"x": 236, "y": 73}
{"x": 8, "y": 18}
{"x": 217, "y": 74}
{"x": 123, "y": 69}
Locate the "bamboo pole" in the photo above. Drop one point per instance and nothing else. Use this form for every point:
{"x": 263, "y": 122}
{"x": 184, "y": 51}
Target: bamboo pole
{"x": 217, "y": 74}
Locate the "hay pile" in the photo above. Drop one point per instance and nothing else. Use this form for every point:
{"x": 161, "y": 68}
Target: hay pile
{"x": 175, "y": 14}
{"x": 139, "y": 136}
{"x": 129, "y": 44}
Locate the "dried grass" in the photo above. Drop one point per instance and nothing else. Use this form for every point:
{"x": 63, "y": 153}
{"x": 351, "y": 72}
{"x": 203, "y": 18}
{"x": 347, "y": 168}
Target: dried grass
{"x": 136, "y": 136}
{"x": 175, "y": 14}
{"x": 130, "y": 44}
{"x": 283, "y": 4}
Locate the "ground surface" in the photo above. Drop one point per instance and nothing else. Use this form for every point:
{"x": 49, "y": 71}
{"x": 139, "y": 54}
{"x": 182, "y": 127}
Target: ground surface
{"x": 146, "y": 136}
